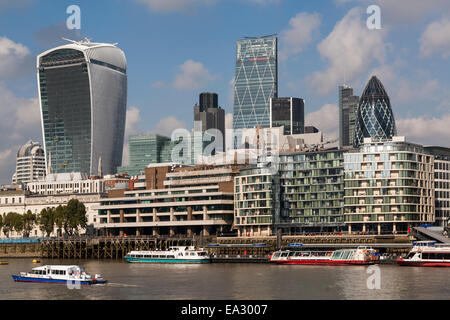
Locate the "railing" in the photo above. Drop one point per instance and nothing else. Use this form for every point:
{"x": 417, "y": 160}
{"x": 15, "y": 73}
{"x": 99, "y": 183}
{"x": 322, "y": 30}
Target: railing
{"x": 21, "y": 240}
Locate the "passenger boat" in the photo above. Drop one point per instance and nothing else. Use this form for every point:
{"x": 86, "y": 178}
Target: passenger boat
{"x": 173, "y": 255}
{"x": 427, "y": 254}
{"x": 359, "y": 256}
{"x": 59, "y": 274}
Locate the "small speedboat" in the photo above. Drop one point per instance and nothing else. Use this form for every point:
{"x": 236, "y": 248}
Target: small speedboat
{"x": 59, "y": 274}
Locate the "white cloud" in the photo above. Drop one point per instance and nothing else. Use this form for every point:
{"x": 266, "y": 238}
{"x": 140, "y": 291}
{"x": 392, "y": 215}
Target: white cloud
{"x": 425, "y": 130}
{"x": 158, "y": 84}
{"x": 351, "y": 49}
{"x": 436, "y": 38}
{"x": 167, "y": 125}
{"x": 299, "y": 34}
{"x": 165, "y": 6}
{"x": 326, "y": 119}
{"x": 21, "y": 122}
{"x": 193, "y": 75}
{"x": 15, "y": 59}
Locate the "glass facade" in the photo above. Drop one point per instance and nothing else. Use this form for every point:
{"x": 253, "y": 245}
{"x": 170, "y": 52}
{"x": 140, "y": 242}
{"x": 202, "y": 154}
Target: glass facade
{"x": 348, "y": 104}
{"x": 289, "y": 113}
{"x": 83, "y": 107}
{"x": 256, "y": 81}
{"x": 374, "y": 116}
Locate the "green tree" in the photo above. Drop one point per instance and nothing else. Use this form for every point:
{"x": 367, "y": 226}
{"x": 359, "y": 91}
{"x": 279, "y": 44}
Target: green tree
{"x": 46, "y": 221}
{"x": 60, "y": 219}
{"x": 29, "y": 221}
{"x": 18, "y": 222}
{"x": 76, "y": 216}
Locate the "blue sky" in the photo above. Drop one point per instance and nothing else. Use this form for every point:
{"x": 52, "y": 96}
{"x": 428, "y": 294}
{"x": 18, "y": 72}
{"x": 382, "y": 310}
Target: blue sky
{"x": 179, "y": 48}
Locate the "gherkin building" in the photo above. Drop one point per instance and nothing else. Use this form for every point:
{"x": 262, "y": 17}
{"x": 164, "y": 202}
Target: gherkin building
{"x": 374, "y": 116}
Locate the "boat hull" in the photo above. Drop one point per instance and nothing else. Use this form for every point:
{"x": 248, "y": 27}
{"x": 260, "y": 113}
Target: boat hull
{"x": 55, "y": 281}
{"x": 407, "y": 263}
{"x": 325, "y": 262}
{"x": 184, "y": 261}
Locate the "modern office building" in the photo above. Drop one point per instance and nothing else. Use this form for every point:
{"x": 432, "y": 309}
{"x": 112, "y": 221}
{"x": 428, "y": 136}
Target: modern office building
{"x": 374, "y": 116}
{"x": 146, "y": 149}
{"x": 289, "y": 113}
{"x": 256, "y": 81}
{"x": 83, "y": 98}
{"x": 194, "y": 200}
{"x": 441, "y": 184}
{"x": 210, "y": 115}
{"x": 348, "y": 104}
{"x": 30, "y": 163}
{"x": 389, "y": 186}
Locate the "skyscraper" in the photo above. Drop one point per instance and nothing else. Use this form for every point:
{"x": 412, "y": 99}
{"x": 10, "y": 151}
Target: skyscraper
{"x": 83, "y": 97}
{"x": 256, "y": 81}
{"x": 30, "y": 163}
{"x": 209, "y": 113}
{"x": 348, "y": 104}
{"x": 374, "y": 116}
{"x": 288, "y": 112}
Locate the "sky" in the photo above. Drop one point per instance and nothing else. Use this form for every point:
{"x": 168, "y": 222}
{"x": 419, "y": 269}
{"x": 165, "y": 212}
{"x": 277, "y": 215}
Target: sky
{"x": 177, "y": 49}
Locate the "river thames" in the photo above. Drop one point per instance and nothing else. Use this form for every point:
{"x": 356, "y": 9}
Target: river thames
{"x": 230, "y": 282}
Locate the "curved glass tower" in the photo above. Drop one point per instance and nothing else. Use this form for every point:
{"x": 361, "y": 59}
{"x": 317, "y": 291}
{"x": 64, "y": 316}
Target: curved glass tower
{"x": 83, "y": 97}
{"x": 374, "y": 116}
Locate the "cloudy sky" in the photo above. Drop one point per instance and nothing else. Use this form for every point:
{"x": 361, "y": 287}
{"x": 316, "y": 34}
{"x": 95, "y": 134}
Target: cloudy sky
{"x": 179, "y": 48}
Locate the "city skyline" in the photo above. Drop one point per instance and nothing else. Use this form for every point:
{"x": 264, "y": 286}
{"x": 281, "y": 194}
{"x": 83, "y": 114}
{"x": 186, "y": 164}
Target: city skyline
{"x": 404, "y": 57}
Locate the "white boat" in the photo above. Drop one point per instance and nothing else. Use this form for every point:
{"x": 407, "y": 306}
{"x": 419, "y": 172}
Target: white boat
{"x": 173, "y": 255}
{"x": 427, "y": 254}
{"x": 59, "y": 274}
{"x": 358, "y": 256}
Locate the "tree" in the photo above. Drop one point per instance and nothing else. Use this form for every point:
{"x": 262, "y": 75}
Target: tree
{"x": 76, "y": 216}
{"x": 47, "y": 221}
{"x": 60, "y": 219}
{"x": 12, "y": 222}
{"x": 18, "y": 222}
{"x": 29, "y": 221}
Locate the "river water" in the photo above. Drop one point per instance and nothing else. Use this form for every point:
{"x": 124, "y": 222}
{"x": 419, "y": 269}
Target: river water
{"x": 231, "y": 282}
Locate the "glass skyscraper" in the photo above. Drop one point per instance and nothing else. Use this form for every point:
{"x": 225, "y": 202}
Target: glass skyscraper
{"x": 256, "y": 81}
{"x": 374, "y": 116}
{"x": 83, "y": 97}
{"x": 288, "y": 113}
{"x": 348, "y": 104}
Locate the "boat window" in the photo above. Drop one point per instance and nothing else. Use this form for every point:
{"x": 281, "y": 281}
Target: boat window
{"x": 410, "y": 255}
{"x": 171, "y": 257}
{"x": 284, "y": 254}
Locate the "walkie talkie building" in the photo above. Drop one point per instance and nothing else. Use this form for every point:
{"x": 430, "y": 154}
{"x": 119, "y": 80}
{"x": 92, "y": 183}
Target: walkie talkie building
{"x": 83, "y": 97}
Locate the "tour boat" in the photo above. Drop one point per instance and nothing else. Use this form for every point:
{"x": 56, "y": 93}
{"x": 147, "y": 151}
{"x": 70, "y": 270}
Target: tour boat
{"x": 427, "y": 254}
{"x": 173, "y": 255}
{"x": 59, "y": 274}
{"x": 359, "y": 256}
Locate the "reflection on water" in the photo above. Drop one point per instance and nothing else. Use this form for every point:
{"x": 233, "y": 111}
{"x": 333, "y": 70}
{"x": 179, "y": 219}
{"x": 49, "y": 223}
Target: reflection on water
{"x": 230, "y": 281}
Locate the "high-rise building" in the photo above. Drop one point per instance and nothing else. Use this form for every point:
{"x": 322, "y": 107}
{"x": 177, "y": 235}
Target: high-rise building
{"x": 210, "y": 114}
{"x": 289, "y": 113}
{"x": 83, "y": 97}
{"x": 348, "y": 104}
{"x": 30, "y": 163}
{"x": 441, "y": 184}
{"x": 374, "y": 116}
{"x": 146, "y": 149}
{"x": 256, "y": 81}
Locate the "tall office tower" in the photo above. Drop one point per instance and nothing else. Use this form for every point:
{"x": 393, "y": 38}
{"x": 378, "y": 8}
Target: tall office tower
{"x": 210, "y": 114}
{"x": 348, "y": 104}
{"x": 374, "y": 116}
{"x": 256, "y": 81}
{"x": 83, "y": 97}
{"x": 30, "y": 163}
{"x": 288, "y": 112}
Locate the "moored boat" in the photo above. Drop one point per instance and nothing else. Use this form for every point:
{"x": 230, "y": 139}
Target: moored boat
{"x": 358, "y": 256}
{"x": 427, "y": 254}
{"x": 59, "y": 274}
{"x": 178, "y": 254}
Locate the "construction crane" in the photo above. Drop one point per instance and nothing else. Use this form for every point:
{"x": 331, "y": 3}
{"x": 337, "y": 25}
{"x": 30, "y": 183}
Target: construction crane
{"x": 319, "y": 146}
